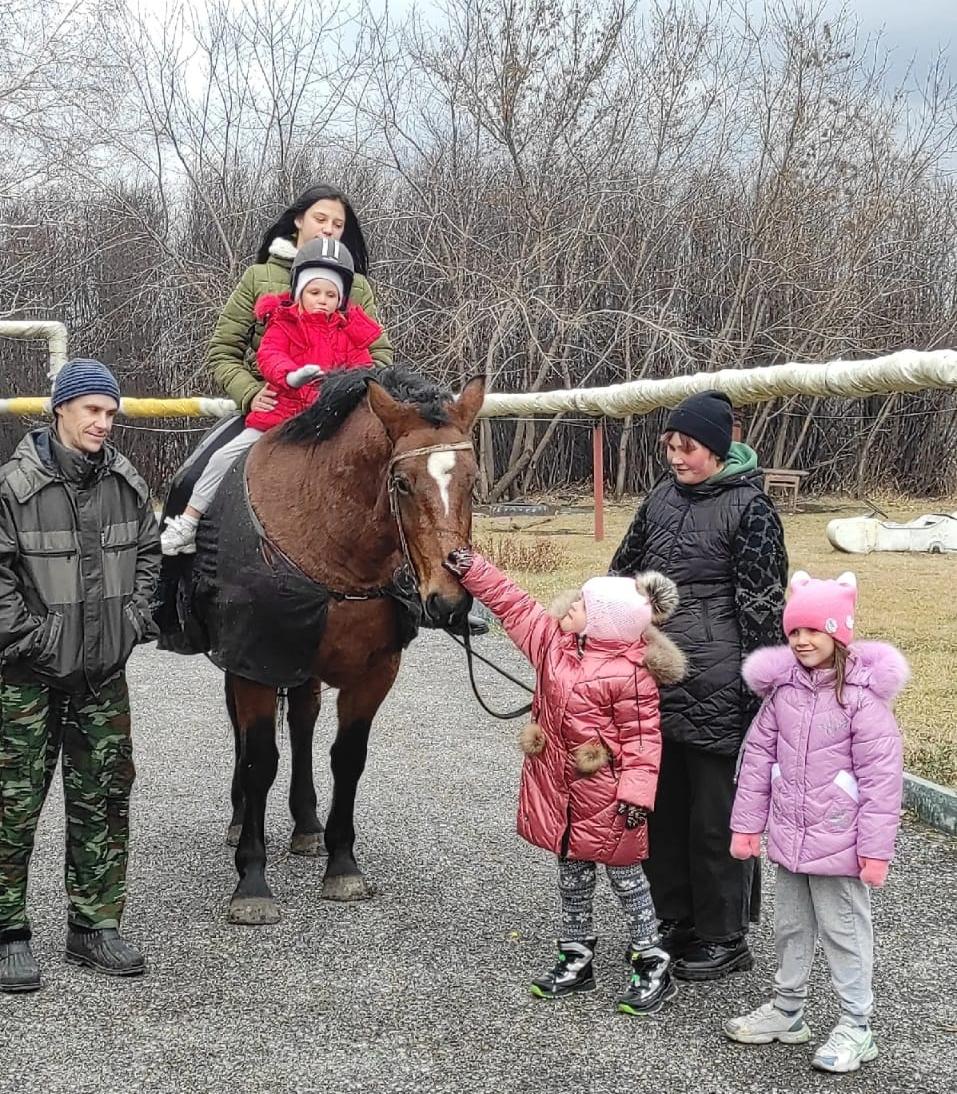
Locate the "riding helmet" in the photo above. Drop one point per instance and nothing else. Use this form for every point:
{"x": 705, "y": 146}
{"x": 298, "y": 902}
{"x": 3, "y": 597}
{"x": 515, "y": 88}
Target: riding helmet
{"x": 324, "y": 254}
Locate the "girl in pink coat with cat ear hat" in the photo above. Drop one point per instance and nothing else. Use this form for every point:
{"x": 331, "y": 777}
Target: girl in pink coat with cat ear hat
{"x": 821, "y": 771}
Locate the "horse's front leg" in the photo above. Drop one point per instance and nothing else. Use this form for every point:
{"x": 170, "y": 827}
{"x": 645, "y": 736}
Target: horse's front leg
{"x": 252, "y": 902}
{"x": 357, "y": 707}
{"x": 303, "y": 712}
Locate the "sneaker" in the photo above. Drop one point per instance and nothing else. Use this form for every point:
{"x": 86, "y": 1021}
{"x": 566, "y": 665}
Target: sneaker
{"x": 846, "y": 1049}
{"x": 651, "y": 984}
{"x": 179, "y": 538}
{"x": 767, "y": 1024}
{"x": 572, "y": 972}
{"x": 714, "y": 960}
{"x": 103, "y": 951}
{"x": 18, "y": 968}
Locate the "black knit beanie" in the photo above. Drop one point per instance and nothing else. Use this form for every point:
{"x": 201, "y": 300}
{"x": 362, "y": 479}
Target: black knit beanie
{"x": 706, "y": 418}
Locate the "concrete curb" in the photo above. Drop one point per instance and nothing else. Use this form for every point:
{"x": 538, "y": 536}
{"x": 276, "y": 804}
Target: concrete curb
{"x": 935, "y": 805}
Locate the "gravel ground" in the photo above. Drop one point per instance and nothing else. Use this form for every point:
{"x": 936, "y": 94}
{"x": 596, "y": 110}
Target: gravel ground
{"x": 422, "y": 988}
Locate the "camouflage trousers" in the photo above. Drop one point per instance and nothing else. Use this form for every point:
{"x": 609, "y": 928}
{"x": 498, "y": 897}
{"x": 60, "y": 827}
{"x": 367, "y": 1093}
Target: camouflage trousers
{"x": 93, "y": 732}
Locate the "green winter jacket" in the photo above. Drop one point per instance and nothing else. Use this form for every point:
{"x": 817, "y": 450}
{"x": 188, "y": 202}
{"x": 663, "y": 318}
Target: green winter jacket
{"x": 79, "y": 560}
{"x": 232, "y": 349}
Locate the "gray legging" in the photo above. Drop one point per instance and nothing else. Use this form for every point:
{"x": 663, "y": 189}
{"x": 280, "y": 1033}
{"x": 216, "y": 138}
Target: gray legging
{"x": 208, "y": 483}
{"x": 576, "y": 887}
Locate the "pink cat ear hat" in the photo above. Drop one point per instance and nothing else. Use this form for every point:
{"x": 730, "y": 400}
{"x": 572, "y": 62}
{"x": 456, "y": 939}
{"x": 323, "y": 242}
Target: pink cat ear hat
{"x": 820, "y": 605}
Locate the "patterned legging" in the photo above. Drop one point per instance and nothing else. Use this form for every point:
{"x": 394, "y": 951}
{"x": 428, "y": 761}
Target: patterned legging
{"x": 576, "y": 887}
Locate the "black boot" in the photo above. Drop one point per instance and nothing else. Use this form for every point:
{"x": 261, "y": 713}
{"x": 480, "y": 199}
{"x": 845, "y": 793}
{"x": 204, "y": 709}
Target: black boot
{"x": 651, "y": 984}
{"x": 677, "y": 936}
{"x": 572, "y": 972}
{"x": 18, "y": 968}
{"x": 477, "y": 624}
{"x": 714, "y": 960}
{"x": 104, "y": 951}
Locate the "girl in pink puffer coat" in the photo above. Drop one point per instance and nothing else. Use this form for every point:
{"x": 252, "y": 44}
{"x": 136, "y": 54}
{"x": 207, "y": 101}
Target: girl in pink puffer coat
{"x": 592, "y": 755}
{"x": 822, "y": 772}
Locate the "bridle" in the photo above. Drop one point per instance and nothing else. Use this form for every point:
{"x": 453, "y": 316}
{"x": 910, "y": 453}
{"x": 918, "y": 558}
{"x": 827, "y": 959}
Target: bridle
{"x": 393, "y": 487}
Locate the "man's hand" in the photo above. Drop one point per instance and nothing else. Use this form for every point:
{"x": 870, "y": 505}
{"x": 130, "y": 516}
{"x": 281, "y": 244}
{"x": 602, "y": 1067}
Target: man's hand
{"x": 460, "y": 561}
{"x": 304, "y": 375}
{"x": 635, "y": 815}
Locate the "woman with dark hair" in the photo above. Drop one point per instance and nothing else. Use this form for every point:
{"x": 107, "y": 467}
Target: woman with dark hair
{"x": 320, "y": 211}
{"x": 709, "y": 526}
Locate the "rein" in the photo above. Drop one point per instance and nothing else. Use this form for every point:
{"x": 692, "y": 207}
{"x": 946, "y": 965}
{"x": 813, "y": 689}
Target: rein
{"x": 466, "y": 643}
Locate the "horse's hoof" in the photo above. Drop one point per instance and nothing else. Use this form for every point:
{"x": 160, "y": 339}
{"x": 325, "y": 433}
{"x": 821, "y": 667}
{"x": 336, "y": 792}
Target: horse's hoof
{"x": 308, "y": 844}
{"x": 253, "y": 911}
{"x": 233, "y": 832}
{"x": 347, "y": 887}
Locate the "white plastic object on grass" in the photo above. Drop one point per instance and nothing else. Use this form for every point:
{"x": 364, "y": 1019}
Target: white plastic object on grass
{"x": 933, "y": 532}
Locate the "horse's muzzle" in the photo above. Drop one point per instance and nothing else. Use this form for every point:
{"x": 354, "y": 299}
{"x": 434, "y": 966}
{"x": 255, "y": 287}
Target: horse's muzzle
{"x": 450, "y": 614}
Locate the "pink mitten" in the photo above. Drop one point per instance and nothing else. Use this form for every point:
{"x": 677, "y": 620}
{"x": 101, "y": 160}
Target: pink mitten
{"x": 745, "y": 845}
{"x": 873, "y": 871}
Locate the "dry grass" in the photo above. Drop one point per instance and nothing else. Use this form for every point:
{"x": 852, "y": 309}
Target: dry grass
{"x": 906, "y": 599}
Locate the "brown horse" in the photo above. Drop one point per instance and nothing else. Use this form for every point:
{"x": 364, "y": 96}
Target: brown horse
{"x": 378, "y": 474}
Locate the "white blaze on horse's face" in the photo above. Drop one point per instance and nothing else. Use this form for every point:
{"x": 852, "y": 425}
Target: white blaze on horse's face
{"x": 440, "y": 466}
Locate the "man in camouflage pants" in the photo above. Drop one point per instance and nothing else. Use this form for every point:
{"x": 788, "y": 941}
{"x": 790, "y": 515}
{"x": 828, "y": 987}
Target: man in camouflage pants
{"x": 79, "y": 558}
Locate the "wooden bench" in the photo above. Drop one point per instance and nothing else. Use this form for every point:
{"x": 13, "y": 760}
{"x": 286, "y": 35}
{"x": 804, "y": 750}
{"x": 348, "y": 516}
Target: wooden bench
{"x": 786, "y": 481}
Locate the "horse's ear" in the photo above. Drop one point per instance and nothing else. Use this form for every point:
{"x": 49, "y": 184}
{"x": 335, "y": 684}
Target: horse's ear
{"x": 396, "y": 418}
{"x": 465, "y": 409}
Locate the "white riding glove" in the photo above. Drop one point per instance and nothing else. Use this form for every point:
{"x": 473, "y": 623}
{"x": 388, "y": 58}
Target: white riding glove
{"x": 304, "y": 375}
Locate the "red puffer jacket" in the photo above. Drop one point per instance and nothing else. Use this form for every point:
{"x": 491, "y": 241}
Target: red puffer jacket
{"x": 597, "y": 740}
{"x": 294, "y": 338}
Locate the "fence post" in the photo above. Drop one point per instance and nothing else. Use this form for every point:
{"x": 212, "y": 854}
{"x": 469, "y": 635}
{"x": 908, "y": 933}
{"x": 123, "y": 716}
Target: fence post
{"x": 598, "y": 477}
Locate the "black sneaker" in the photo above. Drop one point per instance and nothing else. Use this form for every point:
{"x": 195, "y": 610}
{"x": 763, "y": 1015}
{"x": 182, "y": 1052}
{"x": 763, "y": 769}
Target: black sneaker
{"x": 103, "y": 951}
{"x": 677, "y": 936}
{"x": 650, "y": 986}
{"x": 714, "y": 960}
{"x": 572, "y": 972}
{"x": 19, "y": 971}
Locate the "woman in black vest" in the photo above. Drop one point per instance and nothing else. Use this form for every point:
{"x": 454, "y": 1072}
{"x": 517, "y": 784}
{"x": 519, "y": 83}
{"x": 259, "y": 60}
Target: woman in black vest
{"x": 709, "y": 526}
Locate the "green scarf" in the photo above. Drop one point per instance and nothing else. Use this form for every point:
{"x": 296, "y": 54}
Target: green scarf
{"x": 740, "y": 459}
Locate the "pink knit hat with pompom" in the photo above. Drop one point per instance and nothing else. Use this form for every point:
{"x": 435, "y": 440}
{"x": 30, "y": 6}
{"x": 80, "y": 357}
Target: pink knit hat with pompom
{"x": 615, "y": 609}
{"x": 820, "y": 605}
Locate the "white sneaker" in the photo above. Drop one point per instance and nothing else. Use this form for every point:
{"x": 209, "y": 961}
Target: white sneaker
{"x": 767, "y": 1024}
{"x": 179, "y": 538}
{"x": 846, "y": 1049}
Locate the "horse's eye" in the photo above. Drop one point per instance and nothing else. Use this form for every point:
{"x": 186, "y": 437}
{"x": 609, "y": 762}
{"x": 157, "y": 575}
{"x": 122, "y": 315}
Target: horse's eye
{"x": 402, "y": 485}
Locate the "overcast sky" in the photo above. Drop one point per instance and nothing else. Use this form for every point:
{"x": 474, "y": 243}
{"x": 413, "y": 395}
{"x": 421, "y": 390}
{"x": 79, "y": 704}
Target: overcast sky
{"x": 912, "y": 28}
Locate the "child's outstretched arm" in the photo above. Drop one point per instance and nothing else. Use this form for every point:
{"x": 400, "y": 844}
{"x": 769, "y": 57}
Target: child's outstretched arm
{"x": 525, "y": 621}
{"x": 752, "y": 799}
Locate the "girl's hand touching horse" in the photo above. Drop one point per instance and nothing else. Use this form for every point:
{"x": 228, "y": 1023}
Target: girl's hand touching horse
{"x": 459, "y": 561}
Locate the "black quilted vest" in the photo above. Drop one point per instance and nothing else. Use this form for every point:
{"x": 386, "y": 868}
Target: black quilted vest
{"x": 689, "y": 536}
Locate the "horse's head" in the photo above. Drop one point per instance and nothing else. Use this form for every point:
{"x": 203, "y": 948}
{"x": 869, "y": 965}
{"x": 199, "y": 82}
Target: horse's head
{"x": 432, "y": 474}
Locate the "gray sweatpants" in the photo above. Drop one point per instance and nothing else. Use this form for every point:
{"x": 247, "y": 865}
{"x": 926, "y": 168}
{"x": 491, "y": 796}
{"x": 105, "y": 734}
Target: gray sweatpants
{"x": 219, "y": 463}
{"x": 838, "y": 911}
{"x": 576, "y": 887}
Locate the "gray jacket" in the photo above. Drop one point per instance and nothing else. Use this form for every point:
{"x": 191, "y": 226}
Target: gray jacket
{"x": 79, "y": 560}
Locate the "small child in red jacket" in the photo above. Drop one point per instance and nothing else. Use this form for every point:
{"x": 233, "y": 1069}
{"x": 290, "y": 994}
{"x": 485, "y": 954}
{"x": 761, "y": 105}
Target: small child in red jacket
{"x": 592, "y": 755}
{"x": 309, "y": 333}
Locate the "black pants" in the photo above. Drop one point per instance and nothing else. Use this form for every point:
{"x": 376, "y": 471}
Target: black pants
{"x": 692, "y": 874}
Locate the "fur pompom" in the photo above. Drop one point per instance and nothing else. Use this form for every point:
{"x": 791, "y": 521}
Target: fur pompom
{"x": 662, "y": 594}
{"x": 532, "y": 739}
{"x": 560, "y": 605}
{"x": 590, "y": 757}
{"x": 666, "y": 663}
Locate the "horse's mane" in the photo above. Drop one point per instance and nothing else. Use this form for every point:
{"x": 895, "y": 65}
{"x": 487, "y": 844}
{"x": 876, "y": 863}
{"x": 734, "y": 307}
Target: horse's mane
{"x": 344, "y": 389}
